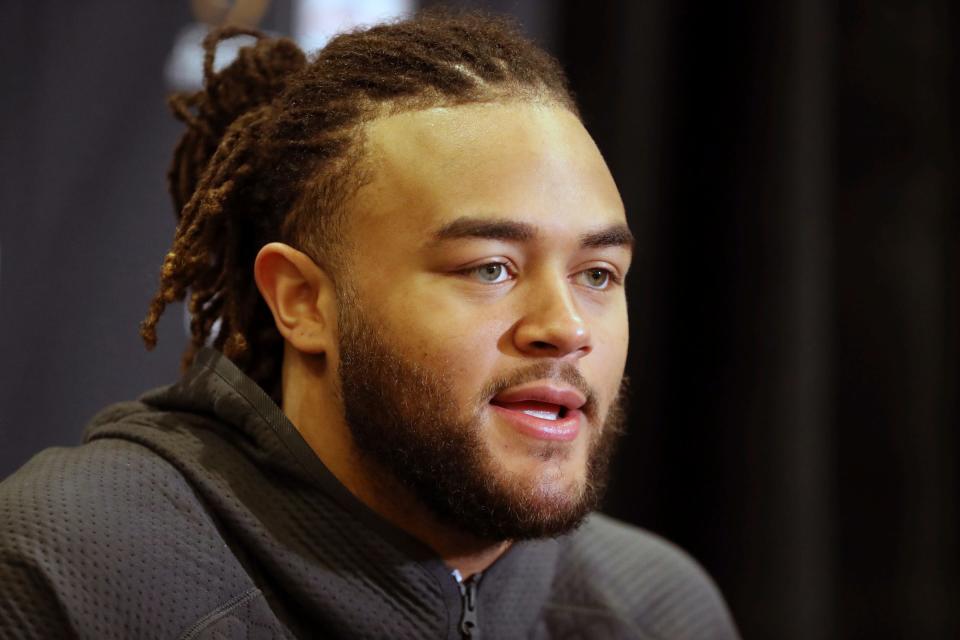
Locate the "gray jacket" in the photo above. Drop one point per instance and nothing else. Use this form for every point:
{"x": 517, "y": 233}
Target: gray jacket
{"x": 199, "y": 512}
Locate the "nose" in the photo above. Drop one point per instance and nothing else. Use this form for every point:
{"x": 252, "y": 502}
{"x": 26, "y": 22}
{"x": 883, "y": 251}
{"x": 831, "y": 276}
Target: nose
{"x": 551, "y": 324}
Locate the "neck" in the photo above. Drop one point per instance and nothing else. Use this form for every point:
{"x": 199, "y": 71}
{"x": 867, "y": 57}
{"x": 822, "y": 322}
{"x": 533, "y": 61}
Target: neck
{"x": 316, "y": 412}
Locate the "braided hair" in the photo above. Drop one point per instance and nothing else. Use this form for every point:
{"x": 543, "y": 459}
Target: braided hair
{"x": 274, "y": 149}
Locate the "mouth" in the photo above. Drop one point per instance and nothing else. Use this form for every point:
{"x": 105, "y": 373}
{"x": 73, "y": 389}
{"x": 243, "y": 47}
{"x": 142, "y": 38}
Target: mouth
{"x": 543, "y": 412}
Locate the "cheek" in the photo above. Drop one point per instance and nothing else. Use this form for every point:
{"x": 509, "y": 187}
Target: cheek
{"x": 454, "y": 340}
{"x": 609, "y": 357}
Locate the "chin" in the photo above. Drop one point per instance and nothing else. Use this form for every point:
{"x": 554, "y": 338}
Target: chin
{"x": 550, "y": 481}
{"x": 560, "y": 463}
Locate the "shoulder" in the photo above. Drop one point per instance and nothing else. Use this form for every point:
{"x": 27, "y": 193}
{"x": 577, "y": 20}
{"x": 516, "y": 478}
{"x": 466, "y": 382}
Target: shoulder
{"x": 650, "y": 586}
{"x": 90, "y": 488}
{"x": 99, "y": 490}
{"x": 112, "y": 537}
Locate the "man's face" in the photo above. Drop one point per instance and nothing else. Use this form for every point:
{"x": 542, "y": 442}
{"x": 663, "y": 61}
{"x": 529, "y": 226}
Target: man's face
{"x": 483, "y": 317}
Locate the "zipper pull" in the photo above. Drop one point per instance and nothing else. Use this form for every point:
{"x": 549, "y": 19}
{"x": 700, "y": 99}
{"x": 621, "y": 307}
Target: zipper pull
{"x": 468, "y": 619}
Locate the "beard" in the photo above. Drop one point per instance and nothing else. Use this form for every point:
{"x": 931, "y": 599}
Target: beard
{"x": 403, "y": 418}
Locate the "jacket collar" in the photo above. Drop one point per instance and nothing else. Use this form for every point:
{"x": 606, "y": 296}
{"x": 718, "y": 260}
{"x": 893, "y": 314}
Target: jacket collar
{"x": 304, "y": 530}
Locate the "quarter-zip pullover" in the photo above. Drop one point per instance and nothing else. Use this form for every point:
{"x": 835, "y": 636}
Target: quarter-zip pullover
{"x": 199, "y": 512}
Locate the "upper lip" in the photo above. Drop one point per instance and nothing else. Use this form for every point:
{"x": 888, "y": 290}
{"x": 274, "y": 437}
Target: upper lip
{"x": 560, "y": 395}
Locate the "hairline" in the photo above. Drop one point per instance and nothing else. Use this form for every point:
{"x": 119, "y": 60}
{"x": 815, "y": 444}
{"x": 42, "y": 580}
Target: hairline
{"x": 331, "y": 250}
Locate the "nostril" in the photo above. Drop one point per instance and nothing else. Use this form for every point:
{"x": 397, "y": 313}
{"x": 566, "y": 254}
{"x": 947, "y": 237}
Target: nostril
{"x": 540, "y": 344}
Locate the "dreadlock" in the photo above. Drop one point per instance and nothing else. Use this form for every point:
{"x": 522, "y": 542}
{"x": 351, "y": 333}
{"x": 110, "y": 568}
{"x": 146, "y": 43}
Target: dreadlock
{"x": 273, "y": 150}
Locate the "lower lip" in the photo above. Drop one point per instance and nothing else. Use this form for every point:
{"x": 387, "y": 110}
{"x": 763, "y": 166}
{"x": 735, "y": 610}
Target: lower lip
{"x": 562, "y": 429}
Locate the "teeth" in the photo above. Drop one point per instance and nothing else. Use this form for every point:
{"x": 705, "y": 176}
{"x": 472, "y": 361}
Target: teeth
{"x": 543, "y": 415}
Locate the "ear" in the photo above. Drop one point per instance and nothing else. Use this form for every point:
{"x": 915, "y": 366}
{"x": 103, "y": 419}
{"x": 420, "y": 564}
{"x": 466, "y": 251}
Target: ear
{"x": 300, "y": 295}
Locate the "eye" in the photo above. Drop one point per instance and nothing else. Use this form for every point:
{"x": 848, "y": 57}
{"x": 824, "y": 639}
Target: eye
{"x": 596, "y": 278}
{"x": 490, "y": 273}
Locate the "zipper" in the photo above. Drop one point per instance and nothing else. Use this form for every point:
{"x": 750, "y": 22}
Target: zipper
{"x": 468, "y": 617}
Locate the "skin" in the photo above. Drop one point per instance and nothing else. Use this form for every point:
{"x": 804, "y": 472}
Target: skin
{"x": 520, "y": 162}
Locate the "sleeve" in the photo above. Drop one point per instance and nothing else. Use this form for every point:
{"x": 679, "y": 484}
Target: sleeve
{"x": 651, "y": 585}
{"x": 28, "y": 607}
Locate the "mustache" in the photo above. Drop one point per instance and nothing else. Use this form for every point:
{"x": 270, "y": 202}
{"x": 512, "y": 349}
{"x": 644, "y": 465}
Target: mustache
{"x": 554, "y": 371}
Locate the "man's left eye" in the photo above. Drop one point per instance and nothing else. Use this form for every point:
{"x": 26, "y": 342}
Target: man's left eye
{"x": 492, "y": 273}
{"x": 596, "y": 278}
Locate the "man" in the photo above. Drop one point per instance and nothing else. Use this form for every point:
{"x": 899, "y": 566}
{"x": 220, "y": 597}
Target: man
{"x": 409, "y": 257}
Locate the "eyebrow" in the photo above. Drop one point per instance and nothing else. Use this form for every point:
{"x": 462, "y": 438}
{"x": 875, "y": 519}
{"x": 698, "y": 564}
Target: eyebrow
{"x": 467, "y": 227}
{"x": 616, "y": 235}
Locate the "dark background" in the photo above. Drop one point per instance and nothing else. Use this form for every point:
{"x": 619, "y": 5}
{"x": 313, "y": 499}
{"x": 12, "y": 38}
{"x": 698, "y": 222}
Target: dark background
{"x": 789, "y": 170}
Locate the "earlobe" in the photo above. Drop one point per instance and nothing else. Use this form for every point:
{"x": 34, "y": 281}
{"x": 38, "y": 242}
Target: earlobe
{"x": 300, "y": 295}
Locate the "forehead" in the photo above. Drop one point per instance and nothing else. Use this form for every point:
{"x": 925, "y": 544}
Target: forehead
{"x": 528, "y": 162}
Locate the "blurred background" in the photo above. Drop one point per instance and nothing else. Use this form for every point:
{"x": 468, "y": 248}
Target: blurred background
{"x": 789, "y": 171}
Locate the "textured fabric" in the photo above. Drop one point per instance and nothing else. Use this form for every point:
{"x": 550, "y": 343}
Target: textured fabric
{"x": 199, "y": 512}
